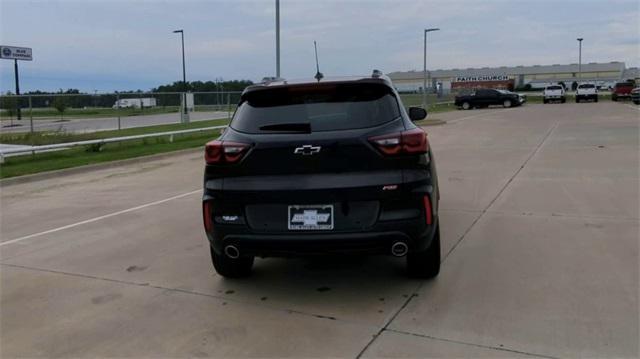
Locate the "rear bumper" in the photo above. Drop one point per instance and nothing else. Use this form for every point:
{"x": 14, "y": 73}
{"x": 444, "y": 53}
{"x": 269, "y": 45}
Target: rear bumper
{"x": 590, "y": 96}
{"x": 415, "y": 234}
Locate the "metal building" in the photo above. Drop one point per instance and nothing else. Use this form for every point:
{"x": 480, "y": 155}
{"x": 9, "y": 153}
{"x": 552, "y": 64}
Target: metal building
{"x": 602, "y": 74}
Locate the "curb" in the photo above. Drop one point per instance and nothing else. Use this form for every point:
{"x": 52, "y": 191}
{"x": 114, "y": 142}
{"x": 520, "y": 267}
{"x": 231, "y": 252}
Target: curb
{"x": 93, "y": 167}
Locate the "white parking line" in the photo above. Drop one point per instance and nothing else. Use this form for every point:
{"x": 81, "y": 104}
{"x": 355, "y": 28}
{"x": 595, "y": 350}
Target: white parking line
{"x": 99, "y": 218}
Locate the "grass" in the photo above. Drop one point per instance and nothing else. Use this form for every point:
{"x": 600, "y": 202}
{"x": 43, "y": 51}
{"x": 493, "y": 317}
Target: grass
{"x": 49, "y": 161}
{"x": 51, "y": 137}
{"x": 79, "y": 156}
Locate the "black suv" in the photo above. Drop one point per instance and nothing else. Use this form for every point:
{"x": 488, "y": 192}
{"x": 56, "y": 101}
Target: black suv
{"x": 482, "y": 98}
{"x": 320, "y": 167}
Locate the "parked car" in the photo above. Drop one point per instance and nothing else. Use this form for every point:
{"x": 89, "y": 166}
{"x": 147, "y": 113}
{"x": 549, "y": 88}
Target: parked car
{"x": 621, "y": 90}
{"x": 553, "y": 93}
{"x": 586, "y": 92}
{"x": 317, "y": 167}
{"x": 135, "y": 102}
{"x": 635, "y": 95}
{"x": 482, "y": 98}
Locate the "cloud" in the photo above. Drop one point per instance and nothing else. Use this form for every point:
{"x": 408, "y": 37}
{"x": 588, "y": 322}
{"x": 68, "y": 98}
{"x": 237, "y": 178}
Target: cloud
{"x": 102, "y": 44}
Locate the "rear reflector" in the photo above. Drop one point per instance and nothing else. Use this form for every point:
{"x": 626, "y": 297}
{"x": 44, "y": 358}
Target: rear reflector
{"x": 218, "y": 152}
{"x": 406, "y": 142}
{"x": 207, "y": 216}
{"x": 427, "y": 210}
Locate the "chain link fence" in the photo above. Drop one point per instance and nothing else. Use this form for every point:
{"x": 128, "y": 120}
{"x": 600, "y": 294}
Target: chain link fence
{"x": 71, "y": 112}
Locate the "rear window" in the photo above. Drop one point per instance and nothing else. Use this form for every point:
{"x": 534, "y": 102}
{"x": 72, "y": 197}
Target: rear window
{"x": 624, "y": 84}
{"x": 586, "y": 86}
{"x": 554, "y": 87}
{"x": 323, "y": 107}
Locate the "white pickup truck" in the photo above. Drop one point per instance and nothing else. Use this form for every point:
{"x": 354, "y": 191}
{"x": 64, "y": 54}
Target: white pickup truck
{"x": 586, "y": 92}
{"x": 553, "y": 93}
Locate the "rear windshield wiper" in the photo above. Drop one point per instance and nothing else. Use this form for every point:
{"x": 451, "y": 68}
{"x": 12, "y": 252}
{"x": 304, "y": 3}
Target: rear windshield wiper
{"x": 288, "y": 127}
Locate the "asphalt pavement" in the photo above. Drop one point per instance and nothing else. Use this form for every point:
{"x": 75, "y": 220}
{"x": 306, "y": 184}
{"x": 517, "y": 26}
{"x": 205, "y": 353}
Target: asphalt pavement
{"x": 108, "y": 123}
{"x": 540, "y": 226}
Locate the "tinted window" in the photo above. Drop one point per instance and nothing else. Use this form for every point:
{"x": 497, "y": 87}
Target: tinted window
{"x": 554, "y": 87}
{"x": 325, "y": 107}
{"x": 485, "y": 92}
{"x": 624, "y": 84}
{"x": 587, "y": 86}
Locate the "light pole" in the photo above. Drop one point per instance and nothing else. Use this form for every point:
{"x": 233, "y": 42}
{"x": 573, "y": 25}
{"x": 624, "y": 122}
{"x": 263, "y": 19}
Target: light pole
{"x": 424, "y": 70}
{"x": 278, "y": 38}
{"x": 579, "y": 58}
{"x": 184, "y": 73}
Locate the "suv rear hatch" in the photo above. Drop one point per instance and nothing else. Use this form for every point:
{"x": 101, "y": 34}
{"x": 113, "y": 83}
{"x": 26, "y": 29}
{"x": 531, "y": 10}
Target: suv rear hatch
{"x": 320, "y": 144}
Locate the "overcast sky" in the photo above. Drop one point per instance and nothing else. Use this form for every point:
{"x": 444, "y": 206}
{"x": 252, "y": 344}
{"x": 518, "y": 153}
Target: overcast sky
{"x": 127, "y": 45}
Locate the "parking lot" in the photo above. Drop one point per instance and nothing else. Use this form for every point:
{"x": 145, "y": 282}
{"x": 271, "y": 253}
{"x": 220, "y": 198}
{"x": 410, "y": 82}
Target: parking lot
{"x": 540, "y": 227}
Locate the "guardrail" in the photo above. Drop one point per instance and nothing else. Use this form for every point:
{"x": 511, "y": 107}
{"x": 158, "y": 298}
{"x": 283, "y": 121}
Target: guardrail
{"x": 66, "y": 145}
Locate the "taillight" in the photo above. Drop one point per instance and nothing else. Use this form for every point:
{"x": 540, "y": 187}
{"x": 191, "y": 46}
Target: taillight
{"x": 406, "y": 142}
{"x": 217, "y": 152}
{"x": 206, "y": 215}
{"x": 428, "y": 217}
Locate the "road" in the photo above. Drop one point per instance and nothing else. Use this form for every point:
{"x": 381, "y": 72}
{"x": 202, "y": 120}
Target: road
{"x": 540, "y": 226}
{"x": 110, "y": 123}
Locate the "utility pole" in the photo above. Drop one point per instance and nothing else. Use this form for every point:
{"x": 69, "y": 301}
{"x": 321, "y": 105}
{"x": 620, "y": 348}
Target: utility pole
{"x": 278, "y": 38}
{"x": 580, "y": 57}
{"x": 424, "y": 69}
{"x": 18, "y": 112}
{"x": 185, "y": 112}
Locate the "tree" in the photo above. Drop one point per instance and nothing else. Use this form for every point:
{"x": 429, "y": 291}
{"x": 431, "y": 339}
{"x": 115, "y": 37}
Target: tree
{"x": 8, "y": 104}
{"x": 561, "y": 83}
{"x": 60, "y": 104}
{"x": 574, "y": 86}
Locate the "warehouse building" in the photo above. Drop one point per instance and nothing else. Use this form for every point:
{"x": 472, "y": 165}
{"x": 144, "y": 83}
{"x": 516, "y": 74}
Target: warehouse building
{"x": 604, "y": 75}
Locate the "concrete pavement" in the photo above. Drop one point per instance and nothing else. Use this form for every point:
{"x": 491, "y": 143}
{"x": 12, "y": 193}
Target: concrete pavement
{"x": 540, "y": 230}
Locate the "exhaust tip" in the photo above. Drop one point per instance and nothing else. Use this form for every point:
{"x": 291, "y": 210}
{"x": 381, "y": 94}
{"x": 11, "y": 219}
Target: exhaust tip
{"x": 232, "y": 251}
{"x": 399, "y": 249}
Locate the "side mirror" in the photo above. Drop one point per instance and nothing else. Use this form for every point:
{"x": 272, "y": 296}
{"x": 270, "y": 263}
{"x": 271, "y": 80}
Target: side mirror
{"x": 417, "y": 113}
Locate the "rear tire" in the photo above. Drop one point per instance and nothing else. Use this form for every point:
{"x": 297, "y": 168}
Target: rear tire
{"x": 563, "y": 100}
{"x": 231, "y": 268}
{"x": 595, "y": 99}
{"x": 425, "y": 264}
{"x": 466, "y": 105}
{"x": 545, "y": 101}
{"x": 506, "y": 103}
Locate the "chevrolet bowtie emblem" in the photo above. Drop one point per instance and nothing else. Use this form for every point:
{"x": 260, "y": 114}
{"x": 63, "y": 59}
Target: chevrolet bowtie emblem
{"x": 307, "y": 150}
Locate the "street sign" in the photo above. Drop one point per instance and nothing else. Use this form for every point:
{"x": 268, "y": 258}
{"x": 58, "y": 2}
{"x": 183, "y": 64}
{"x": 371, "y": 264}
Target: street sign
{"x": 15, "y": 53}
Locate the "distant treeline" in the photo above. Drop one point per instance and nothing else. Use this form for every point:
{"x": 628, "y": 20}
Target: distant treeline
{"x": 85, "y": 99}
{"x": 208, "y": 86}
